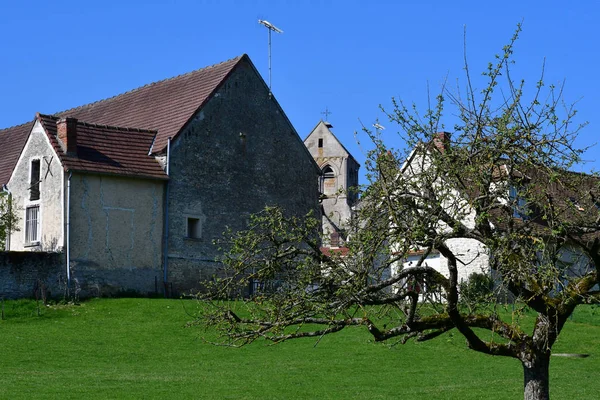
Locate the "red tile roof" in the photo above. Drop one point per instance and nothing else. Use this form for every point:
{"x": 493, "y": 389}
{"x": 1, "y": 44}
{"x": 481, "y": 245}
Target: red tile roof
{"x": 338, "y": 251}
{"x": 12, "y": 141}
{"x": 165, "y": 106}
{"x": 107, "y": 149}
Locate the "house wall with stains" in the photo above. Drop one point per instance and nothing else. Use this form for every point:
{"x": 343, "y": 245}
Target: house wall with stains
{"x": 236, "y": 156}
{"x": 116, "y": 230}
{"x": 45, "y": 215}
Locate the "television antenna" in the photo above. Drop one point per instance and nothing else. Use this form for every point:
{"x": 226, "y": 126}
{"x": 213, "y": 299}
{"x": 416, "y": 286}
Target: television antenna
{"x": 270, "y": 27}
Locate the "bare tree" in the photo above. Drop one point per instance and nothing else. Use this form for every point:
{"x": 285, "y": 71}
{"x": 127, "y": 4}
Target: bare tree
{"x": 500, "y": 183}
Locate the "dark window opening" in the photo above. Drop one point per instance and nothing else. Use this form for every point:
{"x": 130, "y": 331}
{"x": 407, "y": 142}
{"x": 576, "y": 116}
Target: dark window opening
{"x": 328, "y": 180}
{"x": 519, "y": 204}
{"x": 320, "y": 143}
{"x": 193, "y": 228}
{"x": 34, "y": 182}
{"x": 328, "y": 172}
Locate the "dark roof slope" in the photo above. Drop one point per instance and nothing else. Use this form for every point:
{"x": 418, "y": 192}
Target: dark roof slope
{"x": 165, "y": 106}
{"x": 107, "y": 150}
{"x": 12, "y": 141}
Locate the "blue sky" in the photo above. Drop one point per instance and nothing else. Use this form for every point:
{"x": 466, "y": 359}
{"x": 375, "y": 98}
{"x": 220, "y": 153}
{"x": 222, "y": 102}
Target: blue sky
{"x": 348, "y": 56}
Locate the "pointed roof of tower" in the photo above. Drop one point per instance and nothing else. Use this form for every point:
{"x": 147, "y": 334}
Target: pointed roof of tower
{"x": 324, "y": 125}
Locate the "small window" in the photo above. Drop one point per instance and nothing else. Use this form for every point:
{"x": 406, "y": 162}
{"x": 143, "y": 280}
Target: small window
{"x": 320, "y": 143}
{"x": 193, "y": 228}
{"x": 32, "y": 225}
{"x": 328, "y": 180}
{"x": 34, "y": 182}
{"x": 520, "y": 208}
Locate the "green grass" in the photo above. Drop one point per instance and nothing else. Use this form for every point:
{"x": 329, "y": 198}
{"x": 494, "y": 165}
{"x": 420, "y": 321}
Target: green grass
{"x": 141, "y": 349}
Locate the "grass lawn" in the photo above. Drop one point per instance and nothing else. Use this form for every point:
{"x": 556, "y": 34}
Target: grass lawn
{"x": 141, "y": 349}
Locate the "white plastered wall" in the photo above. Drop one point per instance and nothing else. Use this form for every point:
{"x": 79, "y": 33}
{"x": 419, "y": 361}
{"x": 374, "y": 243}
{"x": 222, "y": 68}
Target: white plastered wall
{"x": 50, "y": 218}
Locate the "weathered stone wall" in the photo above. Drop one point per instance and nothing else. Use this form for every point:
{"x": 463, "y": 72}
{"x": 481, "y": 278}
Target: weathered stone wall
{"x": 51, "y": 194}
{"x": 21, "y": 273}
{"x": 338, "y": 196}
{"x": 116, "y": 234}
{"x": 29, "y": 274}
{"x": 238, "y": 155}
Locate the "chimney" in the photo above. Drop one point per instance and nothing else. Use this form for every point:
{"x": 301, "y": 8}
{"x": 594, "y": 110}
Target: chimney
{"x": 441, "y": 141}
{"x": 334, "y": 239}
{"x": 67, "y": 134}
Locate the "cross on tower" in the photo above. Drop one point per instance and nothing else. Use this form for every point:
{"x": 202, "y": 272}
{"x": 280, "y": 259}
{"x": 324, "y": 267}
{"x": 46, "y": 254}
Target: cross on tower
{"x": 326, "y": 113}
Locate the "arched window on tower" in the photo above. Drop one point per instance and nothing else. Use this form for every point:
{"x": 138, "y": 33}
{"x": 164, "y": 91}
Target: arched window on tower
{"x": 328, "y": 180}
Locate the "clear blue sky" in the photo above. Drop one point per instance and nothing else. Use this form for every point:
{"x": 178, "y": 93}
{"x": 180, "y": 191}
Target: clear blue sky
{"x": 349, "y": 56}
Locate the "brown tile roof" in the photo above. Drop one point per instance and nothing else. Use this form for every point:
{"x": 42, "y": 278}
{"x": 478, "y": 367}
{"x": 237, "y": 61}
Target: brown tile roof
{"x": 573, "y": 198}
{"x": 107, "y": 149}
{"x": 12, "y": 141}
{"x": 569, "y": 198}
{"x": 165, "y": 106}
{"x": 338, "y": 251}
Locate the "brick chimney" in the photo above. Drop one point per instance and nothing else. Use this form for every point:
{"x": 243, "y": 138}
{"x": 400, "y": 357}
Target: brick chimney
{"x": 67, "y": 134}
{"x": 441, "y": 141}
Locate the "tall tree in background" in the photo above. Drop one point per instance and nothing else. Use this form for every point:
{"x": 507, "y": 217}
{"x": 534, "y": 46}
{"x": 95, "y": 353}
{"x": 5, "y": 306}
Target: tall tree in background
{"x": 501, "y": 181}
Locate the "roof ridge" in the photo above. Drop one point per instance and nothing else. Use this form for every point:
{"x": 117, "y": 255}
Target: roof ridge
{"x": 113, "y": 127}
{"x": 149, "y": 84}
{"x": 118, "y": 128}
{"x": 15, "y": 126}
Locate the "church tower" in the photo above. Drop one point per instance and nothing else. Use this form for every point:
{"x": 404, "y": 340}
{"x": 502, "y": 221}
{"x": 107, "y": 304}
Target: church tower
{"x": 338, "y": 181}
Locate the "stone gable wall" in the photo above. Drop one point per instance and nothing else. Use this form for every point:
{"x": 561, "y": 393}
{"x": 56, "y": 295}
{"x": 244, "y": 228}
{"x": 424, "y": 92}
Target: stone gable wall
{"x": 50, "y": 214}
{"x": 237, "y": 155}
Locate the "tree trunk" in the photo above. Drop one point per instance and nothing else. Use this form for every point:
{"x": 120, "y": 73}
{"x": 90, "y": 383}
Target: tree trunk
{"x": 536, "y": 372}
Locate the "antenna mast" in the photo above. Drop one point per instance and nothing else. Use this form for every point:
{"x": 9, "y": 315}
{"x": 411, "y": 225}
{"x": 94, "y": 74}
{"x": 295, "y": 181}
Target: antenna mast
{"x": 270, "y": 28}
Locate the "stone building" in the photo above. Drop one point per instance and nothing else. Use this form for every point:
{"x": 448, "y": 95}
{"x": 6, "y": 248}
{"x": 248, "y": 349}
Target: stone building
{"x": 76, "y": 190}
{"x": 337, "y": 184}
{"x": 133, "y": 189}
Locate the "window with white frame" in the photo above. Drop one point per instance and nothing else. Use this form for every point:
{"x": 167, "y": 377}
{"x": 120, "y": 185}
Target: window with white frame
{"x": 32, "y": 224}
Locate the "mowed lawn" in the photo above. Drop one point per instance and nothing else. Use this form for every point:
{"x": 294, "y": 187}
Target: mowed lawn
{"x": 141, "y": 349}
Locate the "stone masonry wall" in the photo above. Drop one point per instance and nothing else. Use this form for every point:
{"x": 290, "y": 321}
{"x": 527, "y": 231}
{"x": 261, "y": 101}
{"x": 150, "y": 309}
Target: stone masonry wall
{"x": 22, "y": 272}
{"x": 238, "y": 155}
{"x": 338, "y": 192}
